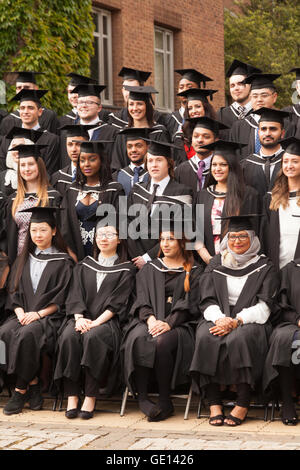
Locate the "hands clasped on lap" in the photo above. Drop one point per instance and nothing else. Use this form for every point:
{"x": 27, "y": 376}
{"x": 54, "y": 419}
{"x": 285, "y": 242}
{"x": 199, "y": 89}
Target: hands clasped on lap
{"x": 223, "y": 326}
{"x": 157, "y": 327}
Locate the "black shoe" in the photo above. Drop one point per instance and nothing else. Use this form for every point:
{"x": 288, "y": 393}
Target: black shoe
{"x": 16, "y": 404}
{"x": 74, "y": 412}
{"x": 35, "y": 397}
{"x": 150, "y": 409}
{"x": 164, "y": 414}
{"x": 86, "y": 414}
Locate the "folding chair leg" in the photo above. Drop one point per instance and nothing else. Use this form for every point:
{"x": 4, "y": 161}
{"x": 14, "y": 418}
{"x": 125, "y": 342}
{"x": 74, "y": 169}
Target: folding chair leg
{"x": 266, "y": 412}
{"x": 188, "y": 404}
{"x": 124, "y": 401}
{"x": 273, "y": 410}
{"x": 199, "y": 408}
{"x": 55, "y": 403}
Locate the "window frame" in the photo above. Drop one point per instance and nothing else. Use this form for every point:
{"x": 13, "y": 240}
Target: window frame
{"x": 167, "y": 86}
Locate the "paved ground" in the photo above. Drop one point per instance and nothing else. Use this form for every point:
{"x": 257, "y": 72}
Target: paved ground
{"x": 45, "y": 429}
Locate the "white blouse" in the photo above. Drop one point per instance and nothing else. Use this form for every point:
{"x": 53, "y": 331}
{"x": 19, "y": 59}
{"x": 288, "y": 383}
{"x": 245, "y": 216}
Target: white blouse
{"x": 289, "y": 231}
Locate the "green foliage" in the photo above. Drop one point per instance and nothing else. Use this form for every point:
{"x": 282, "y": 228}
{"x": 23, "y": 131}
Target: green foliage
{"x": 54, "y": 36}
{"x": 266, "y": 34}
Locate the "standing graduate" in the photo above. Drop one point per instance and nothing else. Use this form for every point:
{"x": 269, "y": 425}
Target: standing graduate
{"x": 159, "y": 339}
{"x": 89, "y": 344}
{"x": 137, "y": 149}
{"x": 194, "y": 172}
{"x": 239, "y": 91}
{"x": 32, "y": 190}
{"x": 140, "y": 115}
{"x": 47, "y": 119}
{"x": 295, "y": 108}
{"x": 93, "y": 186}
{"x": 260, "y": 170}
{"x": 237, "y": 295}
{"x": 280, "y": 230}
{"x": 161, "y": 190}
{"x": 226, "y": 194}
{"x": 38, "y": 287}
{"x": 30, "y": 109}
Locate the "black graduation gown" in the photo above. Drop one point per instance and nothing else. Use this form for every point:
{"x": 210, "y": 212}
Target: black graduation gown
{"x": 61, "y": 179}
{"x": 180, "y": 154}
{"x": 6, "y": 190}
{"x": 3, "y": 113}
{"x": 50, "y": 153}
{"x": 48, "y": 121}
{"x": 280, "y": 352}
{"x": 173, "y": 122}
{"x": 98, "y": 349}
{"x": 70, "y": 227}
{"x": 11, "y": 228}
{"x": 250, "y": 205}
{"x": 270, "y": 233}
{"x": 120, "y": 118}
{"x": 237, "y": 357}
{"x": 186, "y": 173}
{"x": 24, "y": 344}
{"x": 228, "y": 115}
{"x": 125, "y": 177}
{"x": 173, "y": 193}
{"x": 254, "y": 172}
{"x": 138, "y": 346}
{"x": 119, "y": 153}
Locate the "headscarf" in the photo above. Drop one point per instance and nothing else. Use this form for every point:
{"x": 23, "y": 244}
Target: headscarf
{"x": 11, "y": 175}
{"x": 232, "y": 260}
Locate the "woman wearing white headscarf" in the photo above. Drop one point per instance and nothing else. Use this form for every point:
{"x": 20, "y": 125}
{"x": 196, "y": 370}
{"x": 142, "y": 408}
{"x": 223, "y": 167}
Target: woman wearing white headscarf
{"x": 236, "y": 300}
{"x": 9, "y": 177}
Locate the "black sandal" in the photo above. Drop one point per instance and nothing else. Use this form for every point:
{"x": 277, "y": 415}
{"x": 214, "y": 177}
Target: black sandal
{"x": 216, "y": 418}
{"x": 237, "y": 421}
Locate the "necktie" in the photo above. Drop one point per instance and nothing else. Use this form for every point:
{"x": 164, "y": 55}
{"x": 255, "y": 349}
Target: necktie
{"x": 201, "y": 166}
{"x": 152, "y": 197}
{"x": 243, "y": 111}
{"x": 74, "y": 175}
{"x": 137, "y": 171}
{"x": 257, "y": 142}
{"x": 268, "y": 169}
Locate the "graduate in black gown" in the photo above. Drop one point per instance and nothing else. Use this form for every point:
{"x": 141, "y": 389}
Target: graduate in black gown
{"x": 280, "y": 231}
{"x": 89, "y": 343}
{"x": 159, "y": 339}
{"x": 137, "y": 149}
{"x": 226, "y": 194}
{"x": 140, "y": 115}
{"x": 33, "y": 189}
{"x": 260, "y": 170}
{"x": 48, "y": 119}
{"x": 30, "y": 110}
{"x": 295, "y": 107}
{"x": 93, "y": 186}
{"x": 38, "y": 287}
{"x": 195, "y": 171}
{"x": 236, "y": 300}
{"x": 146, "y": 200}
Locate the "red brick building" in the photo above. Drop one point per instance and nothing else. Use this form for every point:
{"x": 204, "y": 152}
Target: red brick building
{"x": 158, "y": 36}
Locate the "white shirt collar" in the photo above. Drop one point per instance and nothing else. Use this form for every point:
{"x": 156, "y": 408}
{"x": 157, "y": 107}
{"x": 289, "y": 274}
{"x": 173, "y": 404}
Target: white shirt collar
{"x": 162, "y": 185}
{"x": 275, "y": 154}
{"x": 94, "y": 121}
{"x": 206, "y": 160}
{"x": 35, "y": 128}
{"x": 132, "y": 166}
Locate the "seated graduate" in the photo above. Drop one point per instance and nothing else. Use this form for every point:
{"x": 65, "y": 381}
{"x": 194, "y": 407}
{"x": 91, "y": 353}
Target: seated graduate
{"x": 140, "y": 114}
{"x": 4, "y": 272}
{"x": 159, "y": 339}
{"x": 260, "y": 170}
{"x": 195, "y": 171}
{"x": 73, "y": 134}
{"x": 161, "y": 190}
{"x": 100, "y": 295}
{"x": 38, "y": 287}
{"x": 197, "y": 105}
{"x": 237, "y": 293}
{"x": 93, "y": 186}
{"x": 280, "y": 230}
{"x": 33, "y": 190}
{"x": 137, "y": 149}
{"x": 226, "y": 194}
{"x": 282, "y": 362}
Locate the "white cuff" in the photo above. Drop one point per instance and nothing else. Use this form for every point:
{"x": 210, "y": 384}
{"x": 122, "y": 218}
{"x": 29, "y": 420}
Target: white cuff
{"x": 213, "y": 313}
{"x": 146, "y": 257}
{"x": 258, "y": 313}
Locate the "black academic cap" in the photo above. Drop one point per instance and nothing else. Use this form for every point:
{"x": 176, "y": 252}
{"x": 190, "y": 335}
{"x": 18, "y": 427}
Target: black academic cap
{"x": 140, "y": 93}
{"x": 161, "y": 148}
{"x": 26, "y": 77}
{"x": 42, "y": 214}
{"x": 297, "y": 70}
{"x": 262, "y": 80}
{"x": 33, "y": 150}
{"x": 238, "y": 223}
{"x": 77, "y": 79}
{"x": 89, "y": 89}
{"x": 223, "y": 146}
{"x": 174, "y": 221}
{"x": 135, "y": 133}
{"x": 76, "y": 130}
{"x": 194, "y": 76}
{"x": 93, "y": 146}
{"x": 207, "y": 123}
{"x": 133, "y": 74}
{"x": 271, "y": 115}
{"x": 29, "y": 95}
{"x": 291, "y": 145}
{"x": 240, "y": 68}
{"x": 193, "y": 94}
{"x": 21, "y": 133}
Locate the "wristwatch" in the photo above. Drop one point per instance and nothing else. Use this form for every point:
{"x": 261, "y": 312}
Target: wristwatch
{"x": 239, "y": 321}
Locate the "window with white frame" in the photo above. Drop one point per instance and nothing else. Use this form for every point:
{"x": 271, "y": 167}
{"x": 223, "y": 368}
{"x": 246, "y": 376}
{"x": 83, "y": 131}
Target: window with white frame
{"x": 101, "y": 62}
{"x": 164, "y": 69}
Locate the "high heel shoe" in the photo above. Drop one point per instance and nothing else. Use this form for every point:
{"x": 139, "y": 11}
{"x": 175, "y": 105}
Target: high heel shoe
{"x": 74, "y": 412}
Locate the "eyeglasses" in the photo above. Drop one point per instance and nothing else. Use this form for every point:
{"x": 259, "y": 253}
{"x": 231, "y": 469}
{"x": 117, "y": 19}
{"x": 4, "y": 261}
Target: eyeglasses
{"x": 262, "y": 95}
{"x": 243, "y": 238}
{"x": 87, "y": 103}
{"x": 108, "y": 235}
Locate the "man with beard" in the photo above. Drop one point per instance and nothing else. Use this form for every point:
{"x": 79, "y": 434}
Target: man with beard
{"x": 260, "y": 169}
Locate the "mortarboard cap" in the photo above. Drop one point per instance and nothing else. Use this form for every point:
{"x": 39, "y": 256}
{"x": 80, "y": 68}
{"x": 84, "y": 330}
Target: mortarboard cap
{"x": 93, "y": 146}
{"x": 238, "y": 223}
{"x": 140, "y": 93}
{"x": 195, "y": 94}
{"x": 291, "y": 145}
{"x": 76, "y": 130}
{"x": 26, "y": 77}
{"x": 272, "y": 115}
{"x": 262, "y": 80}
{"x": 240, "y": 68}
{"x": 42, "y": 214}
{"x": 135, "y": 133}
{"x": 207, "y": 123}
{"x": 297, "y": 70}
{"x": 21, "y": 133}
{"x": 33, "y": 150}
{"x": 161, "y": 148}
{"x": 194, "y": 76}
{"x": 133, "y": 74}
{"x": 175, "y": 221}
{"x": 77, "y": 79}
{"x": 89, "y": 89}
{"x": 223, "y": 146}
{"x": 29, "y": 95}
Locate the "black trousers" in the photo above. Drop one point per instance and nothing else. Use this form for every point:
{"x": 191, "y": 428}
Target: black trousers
{"x": 213, "y": 394}
{"x": 91, "y": 386}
